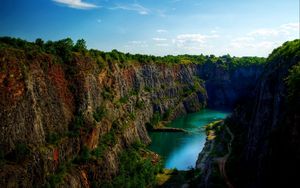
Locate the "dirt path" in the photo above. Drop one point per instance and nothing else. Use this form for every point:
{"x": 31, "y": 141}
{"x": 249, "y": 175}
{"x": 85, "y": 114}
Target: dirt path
{"x": 222, "y": 160}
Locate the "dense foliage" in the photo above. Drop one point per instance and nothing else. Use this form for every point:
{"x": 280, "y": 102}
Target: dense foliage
{"x": 65, "y": 47}
{"x": 293, "y": 83}
{"x": 136, "y": 169}
{"x": 281, "y": 136}
{"x": 286, "y": 52}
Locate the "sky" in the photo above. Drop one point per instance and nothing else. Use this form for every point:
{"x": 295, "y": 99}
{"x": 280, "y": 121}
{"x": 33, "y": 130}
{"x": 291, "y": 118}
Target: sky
{"x": 157, "y": 27}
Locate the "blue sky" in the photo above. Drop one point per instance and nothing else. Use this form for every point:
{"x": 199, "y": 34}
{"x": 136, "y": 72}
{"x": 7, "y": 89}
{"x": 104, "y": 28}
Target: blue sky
{"x": 158, "y": 27}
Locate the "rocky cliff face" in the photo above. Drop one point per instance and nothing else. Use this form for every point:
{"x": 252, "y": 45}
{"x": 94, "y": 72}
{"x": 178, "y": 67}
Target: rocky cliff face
{"x": 266, "y": 150}
{"x": 51, "y": 113}
{"x": 66, "y": 116}
{"x": 227, "y": 88}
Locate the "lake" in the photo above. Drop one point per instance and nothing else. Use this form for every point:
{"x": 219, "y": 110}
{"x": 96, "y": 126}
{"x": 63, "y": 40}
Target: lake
{"x": 180, "y": 150}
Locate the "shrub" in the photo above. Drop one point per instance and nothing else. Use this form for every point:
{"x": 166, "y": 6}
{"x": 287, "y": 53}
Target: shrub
{"x": 140, "y": 104}
{"x": 109, "y": 139}
{"x": 147, "y": 89}
{"x": 84, "y": 156}
{"x": 167, "y": 114}
{"x": 99, "y": 113}
{"x": 21, "y": 151}
{"x": 135, "y": 170}
{"x": 134, "y": 92}
{"x": 52, "y": 138}
{"x": 106, "y": 141}
{"x": 156, "y": 118}
{"x": 76, "y": 124}
{"x": 132, "y": 116}
{"x": 98, "y": 152}
{"x": 123, "y": 99}
{"x": 2, "y": 156}
{"x": 57, "y": 178}
{"x": 107, "y": 93}
{"x": 293, "y": 82}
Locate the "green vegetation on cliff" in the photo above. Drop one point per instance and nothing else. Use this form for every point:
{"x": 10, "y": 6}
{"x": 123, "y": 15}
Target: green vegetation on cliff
{"x": 262, "y": 142}
{"x": 138, "y": 168}
{"x": 65, "y": 47}
{"x": 286, "y": 52}
{"x": 293, "y": 83}
{"x": 86, "y": 107}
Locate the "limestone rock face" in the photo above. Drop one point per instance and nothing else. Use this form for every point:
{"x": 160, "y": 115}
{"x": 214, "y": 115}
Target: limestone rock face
{"x": 55, "y": 114}
{"x": 43, "y": 103}
{"x": 267, "y": 152}
{"x": 226, "y": 89}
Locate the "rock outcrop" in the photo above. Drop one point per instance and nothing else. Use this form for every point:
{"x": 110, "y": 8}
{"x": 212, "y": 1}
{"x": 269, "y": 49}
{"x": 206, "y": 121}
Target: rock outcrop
{"x": 266, "y": 148}
{"x": 51, "y": 111}
{"x": 227, "y": 88}
{"x": 66, "y": 116}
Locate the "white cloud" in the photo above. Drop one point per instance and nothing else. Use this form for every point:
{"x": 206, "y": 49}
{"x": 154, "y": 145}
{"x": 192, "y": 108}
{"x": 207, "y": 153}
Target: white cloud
{"x": 161, "y": 31}
{"x": 285, "y": 29}
{"x": 240, "y": 42}
{"x": 137, "y": 43}
{"x": 256, "y": 42}
{"x": 249, "y": 42}
{"x": 193, "y": 38}
{"x": 250, "y": 46}
{"x": 194, "y": 43}
{"x": 289, "y": 28}
{"x": 78, "y": 4}
{"x": 132, "y": 7}
{"x": 262, "y": 48}
{"x": 261, "y": 41}
{"x": 264, "y": 32}
{"x": 162, "y": 44}
{"x": 159, "y": 39}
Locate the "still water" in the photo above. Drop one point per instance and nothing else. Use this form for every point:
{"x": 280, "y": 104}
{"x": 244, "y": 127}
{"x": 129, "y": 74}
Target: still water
{"x": 180, "y": 150}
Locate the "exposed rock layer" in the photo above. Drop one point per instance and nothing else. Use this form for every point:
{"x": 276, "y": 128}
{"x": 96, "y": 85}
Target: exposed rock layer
{"x": 51, "y": 112}
{"x": 266, "y": 150}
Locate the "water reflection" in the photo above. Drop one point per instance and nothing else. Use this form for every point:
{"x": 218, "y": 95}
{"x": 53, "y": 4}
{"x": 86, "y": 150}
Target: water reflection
{"x": 180, "y": 150}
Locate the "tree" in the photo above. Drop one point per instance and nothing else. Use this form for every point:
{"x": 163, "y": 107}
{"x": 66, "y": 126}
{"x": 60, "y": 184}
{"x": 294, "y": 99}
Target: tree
{"x": 293, "y": 81}
{"x": 64, "y": 49}
{"x": 80, "y": 46}
{"x": 39, "y": 42}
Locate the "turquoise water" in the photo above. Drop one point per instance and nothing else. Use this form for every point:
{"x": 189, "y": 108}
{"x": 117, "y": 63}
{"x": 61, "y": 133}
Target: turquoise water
{"x": 180, "y": 150}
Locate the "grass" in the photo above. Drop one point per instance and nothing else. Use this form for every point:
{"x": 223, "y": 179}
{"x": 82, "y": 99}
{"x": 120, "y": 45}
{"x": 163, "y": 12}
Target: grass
{"x": 164, "y": 176}
{"x": 211, "y": 135}
{"x": 177, "y": 178}
{"x": 136, "y": 169}
{"x": 212, "y": 129}
{"x": 99, "y": 113}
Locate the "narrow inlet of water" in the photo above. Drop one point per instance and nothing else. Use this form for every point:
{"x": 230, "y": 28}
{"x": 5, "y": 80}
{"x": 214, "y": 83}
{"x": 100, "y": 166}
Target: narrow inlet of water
{"x": 180, "y": 150}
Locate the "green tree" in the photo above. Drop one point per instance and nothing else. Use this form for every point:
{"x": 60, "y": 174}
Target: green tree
{"x": 39, "y": 42}
{"x": 293, "y": 82}
{"x": 64, "y": 48}
{"x": 80, "y": 46}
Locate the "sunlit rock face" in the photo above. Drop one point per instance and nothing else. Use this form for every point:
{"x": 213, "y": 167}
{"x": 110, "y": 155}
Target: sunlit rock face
{"x": 56, "y": 111}
{"x": 44, "y": 100}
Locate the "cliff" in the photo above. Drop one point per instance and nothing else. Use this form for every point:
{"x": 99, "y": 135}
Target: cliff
{"x": 266, "y": 149}
{"x": 227, "y": 86}
{"x": 68, "y": 115}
